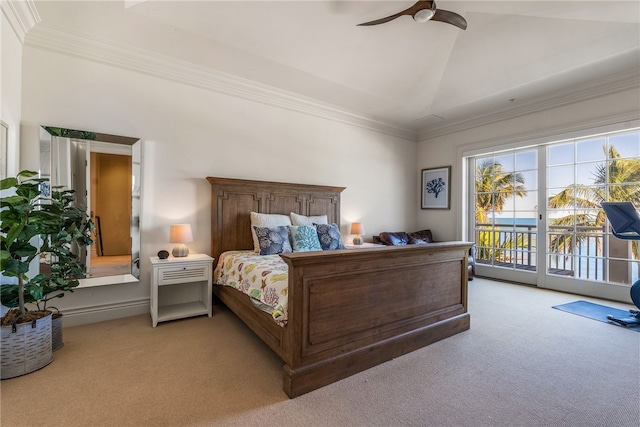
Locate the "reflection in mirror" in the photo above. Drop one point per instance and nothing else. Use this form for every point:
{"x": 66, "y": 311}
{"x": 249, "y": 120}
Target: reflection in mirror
{"x": 104, "y": 170}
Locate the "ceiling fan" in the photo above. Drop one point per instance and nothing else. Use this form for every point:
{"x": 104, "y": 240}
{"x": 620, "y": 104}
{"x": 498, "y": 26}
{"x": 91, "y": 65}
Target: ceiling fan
{"x": 424, "y": 11}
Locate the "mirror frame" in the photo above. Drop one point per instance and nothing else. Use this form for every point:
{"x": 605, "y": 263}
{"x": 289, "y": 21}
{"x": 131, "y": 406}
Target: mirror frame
{"x": 48, "y": 135}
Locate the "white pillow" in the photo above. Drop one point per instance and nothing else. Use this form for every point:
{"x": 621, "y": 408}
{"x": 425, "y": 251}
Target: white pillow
{"x": 266, "y": 220}
{"x": 297, "y": 219}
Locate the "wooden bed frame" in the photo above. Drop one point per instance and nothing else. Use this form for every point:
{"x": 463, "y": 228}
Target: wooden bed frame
{"x": 350, "y": 309}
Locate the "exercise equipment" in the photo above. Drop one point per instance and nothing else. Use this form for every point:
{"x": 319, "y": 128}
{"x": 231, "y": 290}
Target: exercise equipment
{"x": 625, "y": 225}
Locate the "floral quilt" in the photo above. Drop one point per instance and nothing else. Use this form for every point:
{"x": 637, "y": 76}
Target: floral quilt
{"x": 262, "y": 277}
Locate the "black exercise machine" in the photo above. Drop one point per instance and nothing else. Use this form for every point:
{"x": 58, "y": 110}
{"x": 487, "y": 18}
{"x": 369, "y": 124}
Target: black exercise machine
{"x": 625, "y": 224}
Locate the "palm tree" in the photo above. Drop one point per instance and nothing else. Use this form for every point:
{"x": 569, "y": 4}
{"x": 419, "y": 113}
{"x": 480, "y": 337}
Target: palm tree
{"x": 494, "y": 186}
{"x": 622, "y": 175}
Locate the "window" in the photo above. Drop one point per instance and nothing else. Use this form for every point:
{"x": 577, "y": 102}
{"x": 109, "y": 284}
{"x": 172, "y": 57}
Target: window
{"x": 553, "y": 224}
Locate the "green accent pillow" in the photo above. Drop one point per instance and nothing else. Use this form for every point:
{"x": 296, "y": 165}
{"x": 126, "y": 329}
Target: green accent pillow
{"x": 304, "y": 238}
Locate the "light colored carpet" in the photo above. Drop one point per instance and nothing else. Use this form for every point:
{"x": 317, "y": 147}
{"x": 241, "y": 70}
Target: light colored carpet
{"x": 521, "y": 364}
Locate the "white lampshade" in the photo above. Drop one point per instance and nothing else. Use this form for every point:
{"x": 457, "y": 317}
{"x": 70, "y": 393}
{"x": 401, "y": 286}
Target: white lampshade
{"x": 357, "y": 228}
{"x": 181, "y": 234}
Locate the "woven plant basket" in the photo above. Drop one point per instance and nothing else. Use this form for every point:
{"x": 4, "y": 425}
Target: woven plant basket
{"x": 25, "y": 349}
{"x": 56, "y": 331}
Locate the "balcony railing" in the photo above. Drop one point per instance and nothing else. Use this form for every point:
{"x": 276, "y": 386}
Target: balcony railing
{"x": 507, "y": 245}
{"x": 515, "y": 246}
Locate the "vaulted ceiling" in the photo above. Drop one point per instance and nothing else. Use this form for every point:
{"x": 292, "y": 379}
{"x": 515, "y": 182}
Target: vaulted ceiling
{"x": 419, "y": 77}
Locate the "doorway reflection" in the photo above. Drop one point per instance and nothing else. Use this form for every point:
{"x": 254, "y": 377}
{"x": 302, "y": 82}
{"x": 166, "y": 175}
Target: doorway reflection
{"x": 110, "y": 207}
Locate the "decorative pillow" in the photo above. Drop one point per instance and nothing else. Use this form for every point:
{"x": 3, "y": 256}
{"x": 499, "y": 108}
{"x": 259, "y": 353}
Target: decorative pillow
{"x": 329, "y": 236}
{"x": 304, "y": 238}
{"x": 273, "y": 240}
{"x": 265, "y": 220}
{"x": 422, "y": 235}
{"x": 397, "y": 238}
{"x": 297, "y": 219}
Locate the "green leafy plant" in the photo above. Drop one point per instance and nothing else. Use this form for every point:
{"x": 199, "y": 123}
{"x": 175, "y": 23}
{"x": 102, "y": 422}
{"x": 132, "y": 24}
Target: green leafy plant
{"x": 31, "y": 226}
{"x": 71, "y": 133}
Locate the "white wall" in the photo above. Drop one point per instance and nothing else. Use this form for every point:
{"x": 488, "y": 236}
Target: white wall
{"x": 190, "y": 133}
{"x": 447, "y": 150}
{"x": 10, "y": 101}
{"x": 10, "y": 84}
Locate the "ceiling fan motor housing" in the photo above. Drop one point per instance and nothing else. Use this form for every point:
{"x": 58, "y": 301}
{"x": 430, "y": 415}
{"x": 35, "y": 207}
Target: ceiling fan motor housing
{"x": 423, "y": 15}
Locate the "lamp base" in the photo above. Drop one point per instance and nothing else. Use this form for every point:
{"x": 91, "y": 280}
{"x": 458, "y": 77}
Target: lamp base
{"x": 180, "y": 250}
{"x": 358, "y": 240}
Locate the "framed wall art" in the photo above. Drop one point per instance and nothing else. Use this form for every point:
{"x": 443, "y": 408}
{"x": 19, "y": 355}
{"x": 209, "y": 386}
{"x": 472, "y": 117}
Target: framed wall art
{"x": 436, "y": 188}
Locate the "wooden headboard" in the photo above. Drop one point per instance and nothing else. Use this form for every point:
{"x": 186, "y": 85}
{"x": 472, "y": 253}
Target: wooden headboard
{"x": 232, "y": 200}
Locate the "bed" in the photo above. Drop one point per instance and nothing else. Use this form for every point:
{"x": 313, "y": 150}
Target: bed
{"x": 348, "y": 309}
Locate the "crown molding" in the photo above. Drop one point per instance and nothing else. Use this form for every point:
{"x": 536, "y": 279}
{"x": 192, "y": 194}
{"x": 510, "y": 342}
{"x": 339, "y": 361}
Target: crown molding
{"x": 612, "y": 84}
{"x": 22, "y": 16}
{"x": 83, "y": 46}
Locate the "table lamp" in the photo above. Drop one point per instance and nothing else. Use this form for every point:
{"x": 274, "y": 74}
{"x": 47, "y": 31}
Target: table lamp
{"x": 180, "y": 234}
{"x": 357, "y": 228}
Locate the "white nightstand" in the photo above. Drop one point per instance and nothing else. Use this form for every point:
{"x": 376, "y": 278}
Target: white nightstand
{"x": 180, "y": 287}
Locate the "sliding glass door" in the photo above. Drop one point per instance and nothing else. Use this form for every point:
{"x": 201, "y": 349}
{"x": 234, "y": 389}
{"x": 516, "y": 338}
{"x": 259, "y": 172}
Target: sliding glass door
{"x": 537, "y": 214}
{"x": 505, "y": 201}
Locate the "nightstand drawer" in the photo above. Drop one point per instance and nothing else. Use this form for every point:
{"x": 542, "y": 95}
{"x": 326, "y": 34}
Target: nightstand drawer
{"x": 191, "y": 273}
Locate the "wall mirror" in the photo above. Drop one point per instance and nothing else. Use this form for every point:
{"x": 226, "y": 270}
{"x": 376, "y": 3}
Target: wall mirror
{"x": 104, "y": 171}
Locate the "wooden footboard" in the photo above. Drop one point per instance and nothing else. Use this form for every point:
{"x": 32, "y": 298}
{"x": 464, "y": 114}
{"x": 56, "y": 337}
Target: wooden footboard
{"x": 352, "y": 309}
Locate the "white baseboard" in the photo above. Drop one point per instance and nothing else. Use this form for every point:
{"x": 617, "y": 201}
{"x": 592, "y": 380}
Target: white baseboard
{"x": 93, "y": 314}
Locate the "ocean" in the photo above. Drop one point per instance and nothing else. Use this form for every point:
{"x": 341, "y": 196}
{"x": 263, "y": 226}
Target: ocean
{"x": 517, "y": 221}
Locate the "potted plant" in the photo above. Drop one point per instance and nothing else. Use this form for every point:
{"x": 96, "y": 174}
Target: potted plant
{"x": 33, "y": 226}
{"x": 61, "y": 251}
